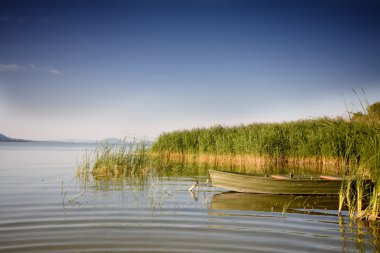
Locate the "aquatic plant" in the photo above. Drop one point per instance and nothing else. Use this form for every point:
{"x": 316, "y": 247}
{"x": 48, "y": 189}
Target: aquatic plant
{"x": 347, "y": 146}
{"x": 321, "y": 142}
{"x": 362, "y": 194}
{"x": 127, "y": 159}
{"x": 285, "y": 208}
{"x": 83, "y": 169}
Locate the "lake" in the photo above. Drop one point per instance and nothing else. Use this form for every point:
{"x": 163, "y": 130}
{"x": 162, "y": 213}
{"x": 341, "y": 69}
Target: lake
{"x": 45, "y": 207}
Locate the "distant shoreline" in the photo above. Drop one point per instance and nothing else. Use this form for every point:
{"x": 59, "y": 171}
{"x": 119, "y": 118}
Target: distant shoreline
{"x": 4, "y": 138}
{"x": 16, "y": 141}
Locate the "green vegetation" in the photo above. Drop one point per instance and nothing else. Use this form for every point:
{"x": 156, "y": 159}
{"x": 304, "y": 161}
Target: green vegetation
{"x": 113, "y": 167}
{"x": 362, "y": 194}
{"x": 372, "y": 113}
{"x": 321, "y": 141}
{"x": 123, "y": 160}
{"x": 350, "y": 146}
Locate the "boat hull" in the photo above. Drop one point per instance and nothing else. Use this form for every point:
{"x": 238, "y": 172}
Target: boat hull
{"x": 260, "y": 184}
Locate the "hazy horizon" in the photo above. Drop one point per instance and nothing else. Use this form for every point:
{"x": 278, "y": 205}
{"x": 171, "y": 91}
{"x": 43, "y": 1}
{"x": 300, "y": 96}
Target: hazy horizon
{"x": 91, "y": 70}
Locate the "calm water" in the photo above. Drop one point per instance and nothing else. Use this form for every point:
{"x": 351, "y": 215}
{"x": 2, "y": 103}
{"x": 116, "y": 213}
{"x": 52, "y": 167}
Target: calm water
{"x": 45, "y": 208}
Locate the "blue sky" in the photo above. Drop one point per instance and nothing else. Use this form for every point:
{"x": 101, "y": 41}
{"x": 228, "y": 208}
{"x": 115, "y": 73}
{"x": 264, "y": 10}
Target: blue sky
{"x": 96, "y": 69}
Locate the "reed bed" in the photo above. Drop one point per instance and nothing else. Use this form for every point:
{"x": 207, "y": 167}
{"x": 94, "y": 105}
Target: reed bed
{"x": 321, "y": 142}
{"x": 132, "y": 161}
{"x": 362, "y": 194}
{"x": 115, "y": 161}
{"x": 253, "y": 164}
{"x": 332, "y": 146}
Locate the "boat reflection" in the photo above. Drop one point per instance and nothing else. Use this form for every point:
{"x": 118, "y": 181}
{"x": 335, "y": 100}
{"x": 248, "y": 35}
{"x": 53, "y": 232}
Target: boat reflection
{"x": 310, "y": 204}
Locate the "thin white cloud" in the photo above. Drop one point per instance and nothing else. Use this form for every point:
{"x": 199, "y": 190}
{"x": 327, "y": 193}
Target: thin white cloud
{"x": 54, "y": 71}
{"x": 28, "y": 68}
{"x": 32, "y": 67}
{"x": 11, "y": 68}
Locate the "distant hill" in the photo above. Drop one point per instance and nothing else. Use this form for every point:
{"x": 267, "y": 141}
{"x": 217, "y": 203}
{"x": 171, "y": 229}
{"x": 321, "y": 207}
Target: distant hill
{"x": 6, "y": 138}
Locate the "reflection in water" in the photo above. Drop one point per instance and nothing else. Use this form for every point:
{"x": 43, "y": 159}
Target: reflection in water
{"x": 43, "y": 209}
{"x": 194, "y": 195}
{"x": 164, "y": 195}
{"x": 358, "y": 232}
{"x": 310, "y": 204}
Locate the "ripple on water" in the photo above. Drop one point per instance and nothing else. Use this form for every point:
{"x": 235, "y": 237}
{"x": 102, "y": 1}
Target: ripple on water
{"x": 54, "y": 228}
{"x": 40, "y": 214}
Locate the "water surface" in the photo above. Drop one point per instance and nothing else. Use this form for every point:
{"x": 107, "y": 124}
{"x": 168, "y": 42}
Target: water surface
{"x": 44, "y": 207}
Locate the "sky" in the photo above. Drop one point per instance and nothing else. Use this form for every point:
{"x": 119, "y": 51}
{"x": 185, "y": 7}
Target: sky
{"x": 89, "y": 70}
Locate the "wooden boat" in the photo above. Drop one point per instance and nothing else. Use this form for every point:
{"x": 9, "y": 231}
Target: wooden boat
{"x": 238, "y": 201}
{"x": 276, "y": 184}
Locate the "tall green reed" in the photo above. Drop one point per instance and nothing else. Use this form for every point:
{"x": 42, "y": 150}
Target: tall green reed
{"x": 127, "y": 159}
{"x": 321, "y": 139}
{"x": 362, "y": 194}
